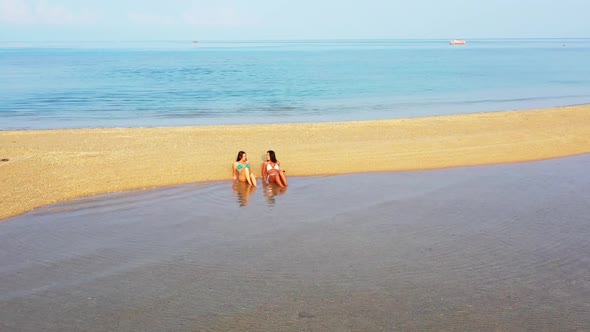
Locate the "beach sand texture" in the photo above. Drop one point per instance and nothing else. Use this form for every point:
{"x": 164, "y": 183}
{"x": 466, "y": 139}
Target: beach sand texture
{"x": 47, "y": 166}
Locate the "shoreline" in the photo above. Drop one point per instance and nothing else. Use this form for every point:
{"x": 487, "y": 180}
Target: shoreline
{"x": 49, "y": 166}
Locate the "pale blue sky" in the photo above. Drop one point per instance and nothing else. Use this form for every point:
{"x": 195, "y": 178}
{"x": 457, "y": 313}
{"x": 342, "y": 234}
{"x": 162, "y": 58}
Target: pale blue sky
{"x": 122, "y": 20}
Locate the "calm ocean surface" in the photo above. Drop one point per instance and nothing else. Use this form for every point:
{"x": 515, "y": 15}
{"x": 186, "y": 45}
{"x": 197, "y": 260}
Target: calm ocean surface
{"x": 147, "y": 84}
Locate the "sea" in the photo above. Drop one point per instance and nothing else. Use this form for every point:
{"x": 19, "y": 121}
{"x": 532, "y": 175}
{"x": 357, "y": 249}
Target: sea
{"x": 50, "y": 85}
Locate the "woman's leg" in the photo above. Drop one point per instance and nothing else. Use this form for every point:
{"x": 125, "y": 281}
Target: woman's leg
{"x": 283, "y": 178}
{"x": 275, "y": 178}
{"x": 247, "y": 178}
{"x": 279, "y": 181}
{"x": 250, "y": 177}
{"x": 242, "y": 177}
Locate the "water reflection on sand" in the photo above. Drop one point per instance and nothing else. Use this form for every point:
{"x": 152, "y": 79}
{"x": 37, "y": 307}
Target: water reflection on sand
{"x": 495, "y": 248}
{"x": 271, "y": 191}
{"x": 243, "y": 190}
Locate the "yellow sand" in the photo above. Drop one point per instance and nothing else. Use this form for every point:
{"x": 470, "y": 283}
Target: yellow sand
{"x": 47, "y": 166}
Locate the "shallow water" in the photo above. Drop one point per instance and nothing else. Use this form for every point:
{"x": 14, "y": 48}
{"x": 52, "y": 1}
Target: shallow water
{"x": 500, "y": 247}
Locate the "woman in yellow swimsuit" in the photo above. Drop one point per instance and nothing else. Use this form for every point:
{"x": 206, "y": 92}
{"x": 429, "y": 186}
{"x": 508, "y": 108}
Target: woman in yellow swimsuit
{"x": 271, "y": 170}
{"x": 241, "y": 169}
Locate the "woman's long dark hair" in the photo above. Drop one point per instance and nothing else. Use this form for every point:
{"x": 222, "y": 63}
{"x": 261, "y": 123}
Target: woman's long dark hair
{"x": 272, "y": 156}
{"x": 240, "y": 154}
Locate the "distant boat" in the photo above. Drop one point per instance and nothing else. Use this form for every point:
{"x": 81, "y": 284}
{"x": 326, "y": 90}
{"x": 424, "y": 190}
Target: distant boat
{"x": 457, "y": 42}
{"x": 195, "y": 41}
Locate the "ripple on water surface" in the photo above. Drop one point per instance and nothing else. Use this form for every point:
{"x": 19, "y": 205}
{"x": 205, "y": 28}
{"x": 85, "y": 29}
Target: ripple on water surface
{"x": 501, "y": 247}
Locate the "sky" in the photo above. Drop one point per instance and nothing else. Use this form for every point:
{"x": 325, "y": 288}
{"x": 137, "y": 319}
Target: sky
{"x": 150, "y": 20}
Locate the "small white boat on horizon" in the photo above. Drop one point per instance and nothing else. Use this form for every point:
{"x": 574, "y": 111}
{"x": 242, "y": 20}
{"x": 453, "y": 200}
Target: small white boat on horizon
{"x": 457, "y": 42}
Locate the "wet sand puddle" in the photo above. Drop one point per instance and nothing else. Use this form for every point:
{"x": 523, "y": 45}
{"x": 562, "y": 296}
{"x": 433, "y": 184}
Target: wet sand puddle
{"x": 481, "y": 248}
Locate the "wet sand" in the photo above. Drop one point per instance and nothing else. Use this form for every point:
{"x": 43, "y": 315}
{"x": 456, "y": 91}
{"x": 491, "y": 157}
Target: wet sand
{"x": 485, "y": 248}
{"x": 48, "y": 166}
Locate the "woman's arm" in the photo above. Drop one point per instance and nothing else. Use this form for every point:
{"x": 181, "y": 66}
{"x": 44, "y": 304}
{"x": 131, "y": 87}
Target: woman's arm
{"x": 264, "y": 170}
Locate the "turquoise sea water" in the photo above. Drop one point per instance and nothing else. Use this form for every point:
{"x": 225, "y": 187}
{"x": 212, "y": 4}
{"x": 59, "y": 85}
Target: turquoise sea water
{"x": 146, "y": 84}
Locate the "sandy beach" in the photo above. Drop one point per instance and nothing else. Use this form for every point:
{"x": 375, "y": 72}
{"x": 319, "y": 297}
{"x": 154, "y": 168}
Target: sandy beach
{"x": 48, "y": 166}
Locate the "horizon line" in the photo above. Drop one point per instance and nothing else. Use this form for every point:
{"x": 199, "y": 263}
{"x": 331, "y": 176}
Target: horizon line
{"x": 283, "y": 40}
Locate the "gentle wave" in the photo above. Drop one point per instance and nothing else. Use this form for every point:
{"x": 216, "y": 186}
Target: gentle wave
{"x": 65, "y": 85}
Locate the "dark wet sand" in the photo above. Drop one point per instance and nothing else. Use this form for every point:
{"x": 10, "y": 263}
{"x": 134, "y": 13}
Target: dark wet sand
{"x": 491, "y": 248}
